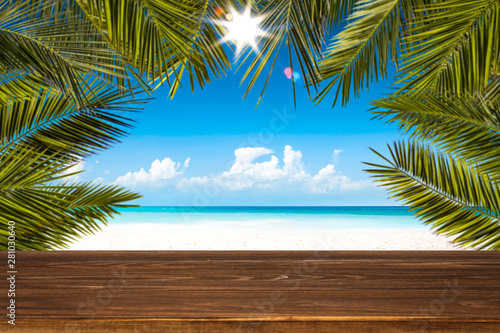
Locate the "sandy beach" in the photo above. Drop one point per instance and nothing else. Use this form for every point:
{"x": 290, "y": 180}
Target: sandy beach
{"x": 195, "y": 237}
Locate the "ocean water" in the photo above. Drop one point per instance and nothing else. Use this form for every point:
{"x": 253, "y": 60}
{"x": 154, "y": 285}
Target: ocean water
{"x": 301, "y": 218}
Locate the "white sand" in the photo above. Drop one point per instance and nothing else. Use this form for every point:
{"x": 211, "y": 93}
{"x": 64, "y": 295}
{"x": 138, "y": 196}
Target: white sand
{"x": 244, "y": 237}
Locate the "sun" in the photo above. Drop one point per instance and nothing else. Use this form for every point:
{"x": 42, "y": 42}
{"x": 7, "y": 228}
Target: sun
{"x": 242, "y": 29}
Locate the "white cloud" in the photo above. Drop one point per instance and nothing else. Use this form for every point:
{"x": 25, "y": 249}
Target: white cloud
{"x": 336, "y": 154}
{"x": 158, "y": 174}
{"x": 286, "y": 175}
{"x": 293, "y": 167}
{"x": 326, "y": 181}
{"x": 98, "y": 180}
{"x": 246, "y": 173}
{"x": 84, "y": 168}
{"x": 77, "y": 167}
{"x": 271, "y": 175}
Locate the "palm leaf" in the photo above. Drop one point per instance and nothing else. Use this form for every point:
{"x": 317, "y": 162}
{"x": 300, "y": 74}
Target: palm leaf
{"x": 56, "y": 122}
{"x": 153, "y": 37}
{"x": 56, "y": 69}
{"x": 21, "y": 87}
{"x": 463, "y": 127}
{"x": 207, "y": 44}
{"x": 491, "y": 92}
{"x": 362, "y": 51}
{"x": 455, "y": 47}
{"x": 50, "y": 215}
{"x": 47, "y": 215}
{"x": 51, "y": 41}
{"x": 450, "y": 195}
{"x": 42, "y": 138}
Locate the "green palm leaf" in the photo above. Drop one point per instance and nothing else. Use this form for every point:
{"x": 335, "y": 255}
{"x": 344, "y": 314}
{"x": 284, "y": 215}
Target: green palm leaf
{"x": 42, "y": 138}
{"x": 464, "y": 127}
{"x": 153, "y": 37}
{"x": 54, "y": 122}
{"x": 491, "y": 92}
{"x": 455, "y": 47}
{"x": 51, "y": 41}
{"x": 207, "y": 44}
{"x": 48, "y": 215}
{"x": 450, "y": 195}
{"x": 362, "y": 51}
{"x": 21, "y": 87}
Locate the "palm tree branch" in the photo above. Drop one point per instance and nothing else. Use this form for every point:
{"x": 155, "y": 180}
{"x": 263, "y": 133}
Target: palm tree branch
{"x": 66, "y": 213}
{"x": 207, "y": 44}
{"x": 347, "y": 60}
{"x": 56, "y": 122}
{"x": 51, "y": 36}
{"x": 447, "y": 193}
{"x": 467, "y": 128}
{"x": 452, "y": 48}
{"x": 170, "y": 29}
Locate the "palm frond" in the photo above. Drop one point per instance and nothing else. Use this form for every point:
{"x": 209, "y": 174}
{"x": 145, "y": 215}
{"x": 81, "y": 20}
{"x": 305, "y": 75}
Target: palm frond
{"x": 50, "y": 40}
{"x": 207, "y": 44}
{"x": 60, "y": 124}
{"x": 48, "y": 215}
{"x": 362, "y": 51}
{"x": 153, "y": 37}
{"x": 61, "y": 98}
{"x": 338, "y": 12}
{"x": 463, "y": 127}
{"x": 21, "y": 87}
{"x": 491, "y": 92}
{"x": 64, "y": 213}
{"x": 450, "y": 195}
{"x": 454, "y": 47}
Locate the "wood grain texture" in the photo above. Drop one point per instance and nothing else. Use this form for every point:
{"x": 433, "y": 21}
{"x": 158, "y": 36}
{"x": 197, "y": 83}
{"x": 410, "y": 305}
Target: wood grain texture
{"x": 255, "y": 291}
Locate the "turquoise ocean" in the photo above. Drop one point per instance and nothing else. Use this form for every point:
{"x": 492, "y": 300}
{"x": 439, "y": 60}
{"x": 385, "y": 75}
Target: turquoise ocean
{"x": 309, "y": 218}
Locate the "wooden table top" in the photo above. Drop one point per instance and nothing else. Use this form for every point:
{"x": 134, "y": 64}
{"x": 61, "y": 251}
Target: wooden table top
{"x": 255, "y": 291}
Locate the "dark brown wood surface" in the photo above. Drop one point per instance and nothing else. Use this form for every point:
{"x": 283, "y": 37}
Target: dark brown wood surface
{"x": 255, "y": 291}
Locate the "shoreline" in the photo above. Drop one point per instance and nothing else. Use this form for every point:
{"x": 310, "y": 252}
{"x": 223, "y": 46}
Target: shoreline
{"x": 159, "y": 237}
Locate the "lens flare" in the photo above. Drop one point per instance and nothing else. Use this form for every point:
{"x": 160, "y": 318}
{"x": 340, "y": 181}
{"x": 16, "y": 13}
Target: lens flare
{"x": 219, "y": 11}
{"x": 242, "y": 29}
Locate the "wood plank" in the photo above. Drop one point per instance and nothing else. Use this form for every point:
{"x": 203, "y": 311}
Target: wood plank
{"x": 256, "y": 291}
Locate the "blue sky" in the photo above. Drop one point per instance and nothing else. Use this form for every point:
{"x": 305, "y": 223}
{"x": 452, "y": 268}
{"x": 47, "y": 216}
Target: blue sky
{"x": 309, "y": 156}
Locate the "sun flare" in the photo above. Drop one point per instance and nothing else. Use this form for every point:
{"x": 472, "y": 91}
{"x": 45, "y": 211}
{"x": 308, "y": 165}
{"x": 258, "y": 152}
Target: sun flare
{"x": 242, "y": 29}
